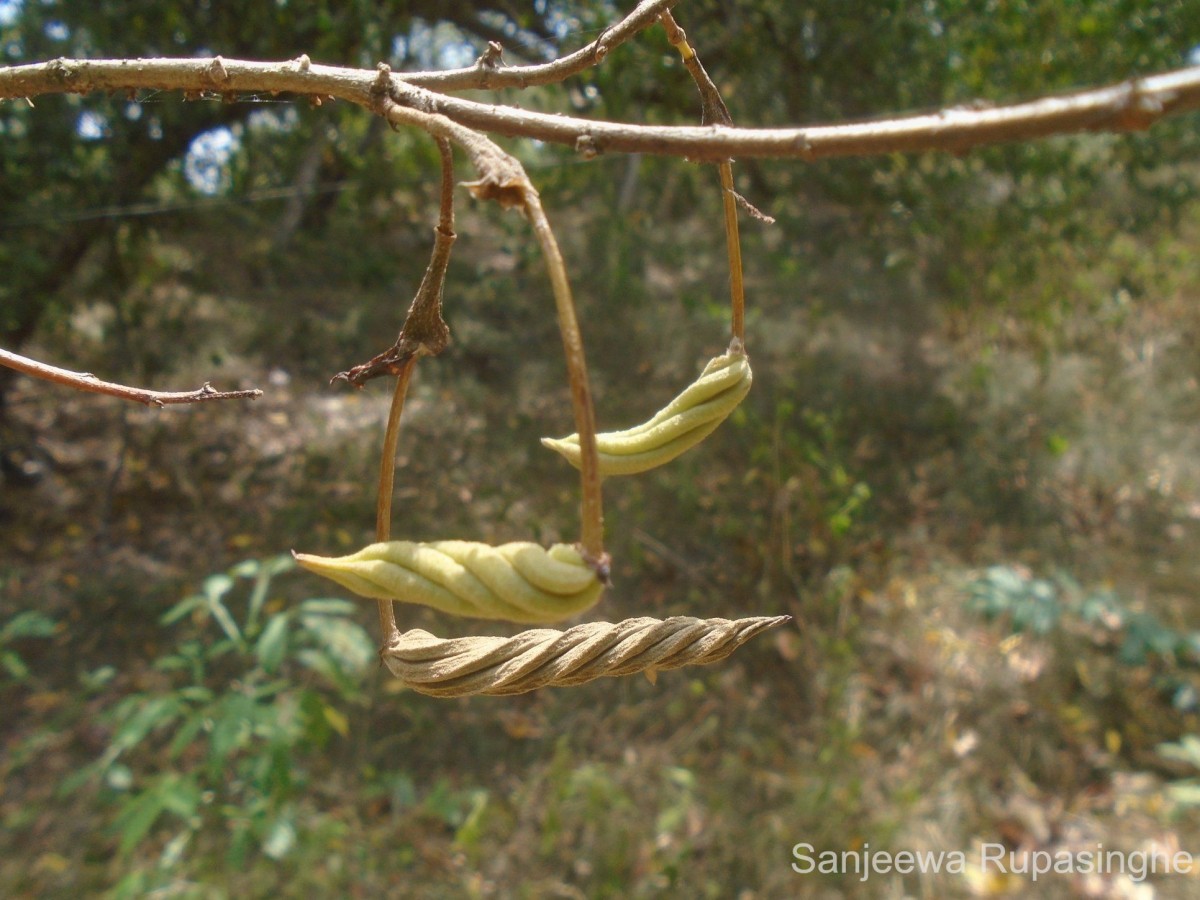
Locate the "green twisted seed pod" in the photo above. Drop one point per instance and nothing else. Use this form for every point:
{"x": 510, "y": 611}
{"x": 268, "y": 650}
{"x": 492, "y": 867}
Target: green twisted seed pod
{"x": 681, "y": 425}
{"x": 518, "y": 582}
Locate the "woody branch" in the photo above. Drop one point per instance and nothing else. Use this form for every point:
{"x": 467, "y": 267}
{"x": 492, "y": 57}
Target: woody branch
{"x": 1125, "y": 106}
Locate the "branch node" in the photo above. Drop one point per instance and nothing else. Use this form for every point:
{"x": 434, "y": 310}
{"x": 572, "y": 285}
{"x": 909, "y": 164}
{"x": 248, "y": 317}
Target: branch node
{"x": 601, "y": 565}
{"x": 302, "y": 63}
{"x": 217, "y": 72}
{"x": 491, "y": 59}
{"x": 65, "y": 70}
{"x": 600, "y": 49}
{"x": 585, "y": 146}
{"x": 383, "y": 79}
{"x": 1137, "y": 110}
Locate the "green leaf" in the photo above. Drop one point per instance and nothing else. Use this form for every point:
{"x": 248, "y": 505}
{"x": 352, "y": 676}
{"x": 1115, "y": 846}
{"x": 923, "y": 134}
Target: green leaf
{"x": 470, "y": 833}
{"x": 216, "y": 586}
{"x": 328, "y": 606}
{"x": 183, "y": 608}
{"x": 13, "y": 665}
{"x": 196, "y": 694}
{"x": 186, "y": 733}
{"x": 28, "y": 624}
{"x": 337, "y": 720}
{"x": 248, "y": 568}
{"x": 225, "y": 620}
{"x": 347, "y": 642}
{"x": 233, "y": 719}
{"x": 321, "y": 663}
{"x": 154, "y": 713}
{"x": 272, "y": 643}
{"x": 96, "y": 679}
{"x": 277, "y": 565}
{"x": 170, "y": 793}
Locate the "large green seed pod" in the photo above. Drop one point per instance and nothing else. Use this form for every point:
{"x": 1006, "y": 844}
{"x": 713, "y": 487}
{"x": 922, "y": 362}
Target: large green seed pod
{"x": 681, "y": 425}
{"x": 518, "y": 582}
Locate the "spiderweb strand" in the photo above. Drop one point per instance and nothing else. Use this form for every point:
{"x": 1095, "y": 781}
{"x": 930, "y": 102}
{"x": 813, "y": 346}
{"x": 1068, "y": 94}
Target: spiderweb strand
{"x": 544, "y": 657}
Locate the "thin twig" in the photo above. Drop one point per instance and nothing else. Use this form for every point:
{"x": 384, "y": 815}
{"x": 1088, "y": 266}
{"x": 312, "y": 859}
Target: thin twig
{"x": 387, "y": 479}
{"x": 733, "y": 246}
{"x": 424, "y": 332}
{"x": 85, "y": 381}
{"x": 712, "y": 108}
{"x": 714, "y": 112}
{"x": 446, "y": 209}
{"x": 486, "y": 75}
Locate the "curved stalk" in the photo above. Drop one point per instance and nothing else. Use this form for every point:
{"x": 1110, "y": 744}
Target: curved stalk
{"x": 387, "y": 480}
{"x": 592, "y": 510}
{"x": 733, "y": 244}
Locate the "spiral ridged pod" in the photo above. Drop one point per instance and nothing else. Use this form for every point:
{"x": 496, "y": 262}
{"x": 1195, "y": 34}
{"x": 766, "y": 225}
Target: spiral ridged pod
{"x": 684, "y": 422}
{"x": 460, "y": 667}
{"x": 518, "y": 582}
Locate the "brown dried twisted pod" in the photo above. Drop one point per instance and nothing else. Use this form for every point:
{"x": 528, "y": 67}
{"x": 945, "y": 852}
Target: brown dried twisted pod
{"x": 544, "y": 657}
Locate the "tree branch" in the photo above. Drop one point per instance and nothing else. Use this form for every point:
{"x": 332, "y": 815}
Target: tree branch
{"x": 1127, "y": 106}
{"x": 85, "y": 381}
{"x": 486, "y": 74}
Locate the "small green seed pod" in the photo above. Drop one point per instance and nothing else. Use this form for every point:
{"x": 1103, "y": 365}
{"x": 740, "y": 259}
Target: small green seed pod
{"x": 681, "y": 425}
{"x": 518, "y": 582}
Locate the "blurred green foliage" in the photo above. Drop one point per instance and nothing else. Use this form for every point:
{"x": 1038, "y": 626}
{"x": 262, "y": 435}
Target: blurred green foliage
{"x": 1040, "y": 606}
{"x": 222, "y": 738}
{"x": 21, "y": 627}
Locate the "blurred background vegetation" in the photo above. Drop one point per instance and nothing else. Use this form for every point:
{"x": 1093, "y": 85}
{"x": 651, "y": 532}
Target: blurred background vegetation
{"x": 968, "y": 467}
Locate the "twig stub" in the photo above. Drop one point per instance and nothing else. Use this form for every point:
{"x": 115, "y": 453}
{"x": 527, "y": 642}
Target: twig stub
{"x": 86, "y": 381}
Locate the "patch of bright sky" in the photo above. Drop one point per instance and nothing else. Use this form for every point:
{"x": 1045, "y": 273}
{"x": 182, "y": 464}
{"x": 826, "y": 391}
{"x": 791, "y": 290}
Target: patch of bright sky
{"x": 207, "y": 163}
{"x": 91, "y": 126}
{"x": 9, "y": 10}
{"x": 57, "y": 31}
{"x": 440, "y": 46}
{"x": 559, "y": 19}
{"x": 275, "y": 121}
